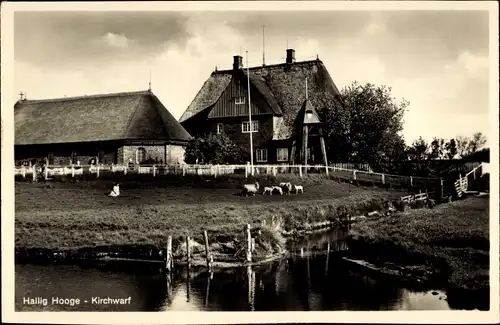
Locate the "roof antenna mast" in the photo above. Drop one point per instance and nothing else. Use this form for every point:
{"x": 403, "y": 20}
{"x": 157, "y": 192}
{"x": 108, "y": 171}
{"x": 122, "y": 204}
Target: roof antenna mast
{"x": 263, "y": 48}
{"x": 149, "y": 89}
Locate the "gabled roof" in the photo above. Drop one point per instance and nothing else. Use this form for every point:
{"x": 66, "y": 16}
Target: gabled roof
{"x": 304, "y": 118}
{"x": 282, "y": 85}
{"x": 119, "y": 116}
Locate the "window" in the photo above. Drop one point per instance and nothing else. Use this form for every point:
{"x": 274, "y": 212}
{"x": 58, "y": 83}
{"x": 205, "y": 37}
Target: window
{"x": 220, "y": 128}
{"x": 239, "y": 100}
{"x": 245, "y": 127}
{"x": 261, "y": 155}
{"x": 50, "y": 158}
{"x": 282, "y": 154}
{"x": 74, "y": 158}
{"x": 140, "y": 155}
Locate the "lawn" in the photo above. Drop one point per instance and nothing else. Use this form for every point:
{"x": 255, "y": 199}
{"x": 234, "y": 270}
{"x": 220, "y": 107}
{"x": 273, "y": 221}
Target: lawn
{"x": 70, "y": 215}
{"x": 456, "y": 233}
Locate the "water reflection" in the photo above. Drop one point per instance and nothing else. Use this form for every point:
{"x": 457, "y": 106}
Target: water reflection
{"x": 312, "y": 282}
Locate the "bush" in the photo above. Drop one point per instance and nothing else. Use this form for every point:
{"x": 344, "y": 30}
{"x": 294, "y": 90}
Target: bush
{"x": 215, "y": 149}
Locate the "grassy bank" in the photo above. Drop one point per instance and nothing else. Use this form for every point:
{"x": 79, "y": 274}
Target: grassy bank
{"x": 453, "y": 238}
{"x": 72, "y": 215}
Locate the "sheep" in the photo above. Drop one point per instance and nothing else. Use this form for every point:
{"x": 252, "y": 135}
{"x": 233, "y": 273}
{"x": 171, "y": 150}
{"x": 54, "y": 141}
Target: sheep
{"x": 277, "y": 188}
{"x": 298, "y": 188}
{"x": 286, "y": 188}
{"x": 268, "y": 190}
{"x": 250, "y": 189}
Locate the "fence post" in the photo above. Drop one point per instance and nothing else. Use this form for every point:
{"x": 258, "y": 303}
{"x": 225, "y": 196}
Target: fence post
{"x": 383, "y": 178}
{"x": 154, "y": 171}
{"x": 326, "y": 170}
{"x": 125, "y": 170}
{"x": 72, "y": 171}
{"x": 274, "y": 171}
{"x": 354, "y": 174}
{"x": 441, "y": 190}
{"x": 207, "y": 249}
{"x": 24, "y": 171}
{"x": 46, "y": 171}
{"x": 97, "y": 171}
{"x": 249, "y": 243}
{"x": 411, "y": 181}
{"x": 33, "y": 169}
{"x": 300, "y": 170}
{"x": 183, "y": 170}
{"x": 168, "y": 259}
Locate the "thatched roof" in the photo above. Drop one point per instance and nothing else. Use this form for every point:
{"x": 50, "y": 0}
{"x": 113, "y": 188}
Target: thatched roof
{"x": 120, "y": 116}
{"x": 283, "y": 86}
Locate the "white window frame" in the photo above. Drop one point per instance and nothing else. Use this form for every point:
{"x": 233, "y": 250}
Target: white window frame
{"x": 261, "y": 158}
{"x": 240, "y": 100}
{"x": 245, "y": 126}
{"x": 220, "y": 128}
{"x": 278, "y": 154}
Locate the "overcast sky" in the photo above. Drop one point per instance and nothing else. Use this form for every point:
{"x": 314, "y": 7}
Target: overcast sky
{"x": 437, "y": 60}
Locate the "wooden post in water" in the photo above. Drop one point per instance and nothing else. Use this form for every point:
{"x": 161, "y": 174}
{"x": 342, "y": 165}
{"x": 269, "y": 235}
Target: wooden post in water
{"x": 249, "y": 243}
{"x": 168, "y": 259}
{"x": 188, "y": 257}
{"x": 327, "y": 257}
{"x": 207, "y": 250}
{"x": 209, "y": 277}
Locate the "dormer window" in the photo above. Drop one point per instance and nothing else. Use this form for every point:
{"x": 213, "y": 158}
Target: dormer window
{"x": 239, "y": 100}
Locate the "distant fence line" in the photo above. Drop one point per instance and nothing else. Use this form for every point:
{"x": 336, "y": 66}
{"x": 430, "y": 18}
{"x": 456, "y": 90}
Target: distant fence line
{"x": 218, "y": 170}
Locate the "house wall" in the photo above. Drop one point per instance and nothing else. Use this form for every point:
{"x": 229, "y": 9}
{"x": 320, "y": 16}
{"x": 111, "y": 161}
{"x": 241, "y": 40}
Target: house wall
{"x": 113, "y": 152}
{"x": 168, "y": 154}
{"x": 62, "y": 152}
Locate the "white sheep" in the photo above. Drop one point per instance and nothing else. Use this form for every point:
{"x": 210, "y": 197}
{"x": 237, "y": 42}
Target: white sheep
{"x": 277, "y": 188}
{"x": 268, "y": 190}
{"x": 298, "y": 188}
{"x": 250, "y": 189}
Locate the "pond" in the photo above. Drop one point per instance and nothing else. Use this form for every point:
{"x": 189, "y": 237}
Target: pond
{"x": 313, "y": 278}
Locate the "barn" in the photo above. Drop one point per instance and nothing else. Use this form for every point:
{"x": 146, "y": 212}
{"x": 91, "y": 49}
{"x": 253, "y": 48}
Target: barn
{"x": 108, "y": 128}
{"x": 287, "y": 100}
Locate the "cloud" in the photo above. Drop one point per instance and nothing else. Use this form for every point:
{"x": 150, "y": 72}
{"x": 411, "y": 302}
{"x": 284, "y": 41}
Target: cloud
{"x": 119, "y": 41}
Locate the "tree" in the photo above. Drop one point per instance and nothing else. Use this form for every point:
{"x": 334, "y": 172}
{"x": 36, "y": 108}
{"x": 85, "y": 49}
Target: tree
{"x": 451, "y": 149}
{"x": 477, "y": 142}
{"x": 437, "y": 149}
{"x": 215, "y": 149}
{"x": 419, "y": 150}
{"x": 365, "y": 127}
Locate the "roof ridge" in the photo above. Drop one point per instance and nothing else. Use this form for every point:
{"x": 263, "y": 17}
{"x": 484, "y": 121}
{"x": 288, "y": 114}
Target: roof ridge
{"x": 62, "y": 99}
{"x": 270, "y": 66}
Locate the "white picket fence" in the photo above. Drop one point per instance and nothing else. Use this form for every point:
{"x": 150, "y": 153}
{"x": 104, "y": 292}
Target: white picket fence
{"x": 218, "y": 170}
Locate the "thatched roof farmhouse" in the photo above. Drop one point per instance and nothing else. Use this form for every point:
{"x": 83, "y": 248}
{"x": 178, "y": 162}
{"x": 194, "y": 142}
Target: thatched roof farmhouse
{"x": 113, "y": 128}
{"x": 278, "y": 93}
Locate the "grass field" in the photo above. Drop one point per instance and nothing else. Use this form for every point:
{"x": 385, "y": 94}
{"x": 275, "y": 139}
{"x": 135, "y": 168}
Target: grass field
{"x": 71, "y": 215}
{"x": 456, "y": 233}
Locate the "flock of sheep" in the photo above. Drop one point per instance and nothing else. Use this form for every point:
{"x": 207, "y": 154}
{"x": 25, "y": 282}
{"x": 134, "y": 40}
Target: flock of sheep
{"x": 282, "y": 189}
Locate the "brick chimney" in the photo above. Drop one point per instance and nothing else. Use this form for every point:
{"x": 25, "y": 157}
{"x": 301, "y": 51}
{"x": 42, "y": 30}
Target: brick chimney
{"x": 237, "y": 62}
{"x": 290, "y": 56}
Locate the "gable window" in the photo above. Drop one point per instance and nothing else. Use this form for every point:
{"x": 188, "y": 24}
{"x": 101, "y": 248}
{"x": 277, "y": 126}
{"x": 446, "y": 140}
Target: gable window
{"x": 50, "y": 158}
{"x": 261, "y": 155}
{"x": 74, "y": 157}
{"x": 282, "y": 154}
{"x": 140, "y": 155}
{"x": 239, "y": 100}
{"x": 245, "y": 127}
{"x": 220, "y": 128}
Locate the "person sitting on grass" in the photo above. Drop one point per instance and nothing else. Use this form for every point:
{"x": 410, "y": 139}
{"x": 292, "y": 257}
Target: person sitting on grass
{"x": 116, "y": 190}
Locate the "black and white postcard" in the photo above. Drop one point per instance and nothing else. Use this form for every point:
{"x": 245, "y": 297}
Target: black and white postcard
{"x": 254, "y": 161}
